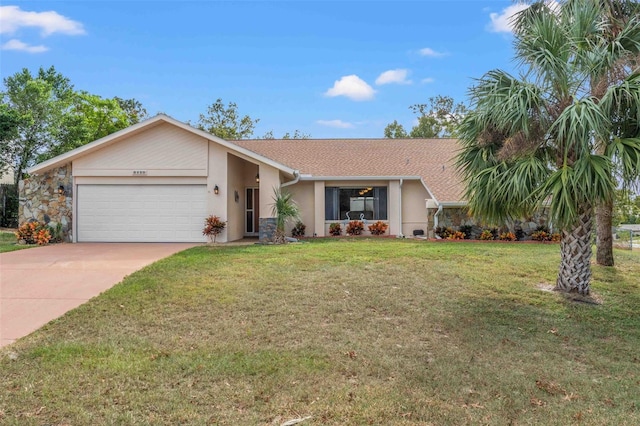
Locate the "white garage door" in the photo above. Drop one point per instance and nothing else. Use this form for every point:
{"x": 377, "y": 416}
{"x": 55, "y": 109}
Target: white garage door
{"x": 141, "y": 213}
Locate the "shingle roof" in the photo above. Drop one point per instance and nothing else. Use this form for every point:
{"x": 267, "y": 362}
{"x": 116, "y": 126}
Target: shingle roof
{"x": 431, "y": 159}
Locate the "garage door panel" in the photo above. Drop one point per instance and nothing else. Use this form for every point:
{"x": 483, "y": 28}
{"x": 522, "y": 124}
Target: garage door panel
{"x": 141, "y": 213}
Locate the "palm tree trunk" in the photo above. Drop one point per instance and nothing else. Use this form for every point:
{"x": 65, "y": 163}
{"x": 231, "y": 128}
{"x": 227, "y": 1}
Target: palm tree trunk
{"x": 574, "y": 275}
{"x": 604, "y": 241}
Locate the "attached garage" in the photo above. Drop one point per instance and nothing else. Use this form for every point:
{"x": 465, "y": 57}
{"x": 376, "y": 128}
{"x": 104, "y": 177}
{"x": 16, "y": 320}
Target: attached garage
{"x": 155, "y": 181}
{"x": 141, "y": 213}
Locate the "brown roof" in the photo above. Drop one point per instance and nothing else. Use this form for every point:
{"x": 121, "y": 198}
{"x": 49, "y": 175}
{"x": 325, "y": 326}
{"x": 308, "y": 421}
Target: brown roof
{"x": 431, "y": 159}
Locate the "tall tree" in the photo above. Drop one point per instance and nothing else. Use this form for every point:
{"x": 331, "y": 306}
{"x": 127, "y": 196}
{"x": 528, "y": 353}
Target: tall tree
{"x": 10, "y": 122}
{"x": 533, "y": 139}
{"x": 626, "y": 207}
{"x": 225, "y": 122}
{"x": 395, "y": 130}
{"x": 42, "y": 116}
{"x": 611, "y": 68}
{"x": 133, "y": 108}
{"x": 439, "y": 117}
{"x": 40, "y": 101}
{"x": 89, "y": 118}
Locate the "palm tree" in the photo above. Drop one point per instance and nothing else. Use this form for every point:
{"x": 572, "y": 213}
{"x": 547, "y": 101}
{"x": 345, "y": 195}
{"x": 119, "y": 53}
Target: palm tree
{"x": 533, "y": 140}
{"x": 285, "y": 209}
{"x": 614, "y": 62}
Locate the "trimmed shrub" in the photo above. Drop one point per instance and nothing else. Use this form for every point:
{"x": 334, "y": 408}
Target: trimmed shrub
{"x": 213, "y": 226}
{"x": 466, "y": 230}
{"x": 507, "y": 236}
{"x": 355, "y": 227}
{"x": 298, "y": 230}
{"x": 34, "y": 233}
{"x": 444, "y": 232}
{"x": 378, "y": 228}
{"x": 486, "y": 235}
{"x": 335, "y": 229}
{"x": 456, "y": 235}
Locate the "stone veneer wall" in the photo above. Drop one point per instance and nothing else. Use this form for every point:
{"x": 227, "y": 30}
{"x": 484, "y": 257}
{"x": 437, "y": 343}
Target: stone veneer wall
{"x": 456, "y": 217}
{"x": 267, "y": 229}
{"x": 40, "y": 200}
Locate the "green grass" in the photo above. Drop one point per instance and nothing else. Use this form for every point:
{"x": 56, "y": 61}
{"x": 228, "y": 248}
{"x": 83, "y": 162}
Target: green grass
{"x": 347, "y": 331}
{"x": 8, "y": 242}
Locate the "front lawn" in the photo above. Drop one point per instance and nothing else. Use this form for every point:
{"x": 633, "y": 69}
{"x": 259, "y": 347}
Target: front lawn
{"x": 8, "y": 242}
{"x": 380, "y": 331}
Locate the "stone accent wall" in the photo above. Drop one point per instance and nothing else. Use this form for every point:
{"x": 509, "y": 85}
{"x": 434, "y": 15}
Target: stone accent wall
{"x": 456, "y": 217}
{"x": 267, "y": 232}
{"x": 40, "y": 199}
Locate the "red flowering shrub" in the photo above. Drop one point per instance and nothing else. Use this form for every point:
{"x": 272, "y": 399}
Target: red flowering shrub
{"x": 355, "y": 227}
{"x": 378, "y": 228}
{"x": 456, "y": 235}
{"x": 507, "y": 236}
{"x": 486, "y": 235}
{"x": 213, "y": 227}
{"x": 34, "y": 233}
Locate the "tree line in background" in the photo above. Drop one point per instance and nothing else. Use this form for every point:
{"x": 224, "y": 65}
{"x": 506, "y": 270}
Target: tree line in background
{"x": 438, "y": 118}
{"x": 226, "y": 123}
{"x": 42, "y": 116}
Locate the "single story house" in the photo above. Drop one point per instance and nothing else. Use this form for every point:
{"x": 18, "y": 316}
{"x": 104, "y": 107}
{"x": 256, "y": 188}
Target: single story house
{"x": 159, "y": 179}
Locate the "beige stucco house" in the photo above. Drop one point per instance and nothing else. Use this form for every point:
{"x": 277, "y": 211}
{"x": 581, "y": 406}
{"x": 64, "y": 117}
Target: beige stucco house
{"x": 159, "y": 179}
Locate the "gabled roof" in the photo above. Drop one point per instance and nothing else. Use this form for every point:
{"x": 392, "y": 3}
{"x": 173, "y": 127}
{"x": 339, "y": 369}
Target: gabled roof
{"x": 432, "y": 160}
{"x": 140, "y": 127}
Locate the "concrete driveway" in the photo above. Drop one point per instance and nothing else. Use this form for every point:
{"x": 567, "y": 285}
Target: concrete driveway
{"x": 40, "y": 284}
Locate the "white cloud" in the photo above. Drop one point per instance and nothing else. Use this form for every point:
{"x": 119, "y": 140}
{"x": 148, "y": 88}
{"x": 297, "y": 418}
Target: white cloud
{"x": 427, "y": 80}
{"x": 335, "y": 123}
{"x": 15, "y": 44}
{"x": 503, "y": 22}
{"x": 398, "y": 76}
{"x": 427, "y": 51}
{"x": 353, "y": 87}
{"x": 12, "y": 18}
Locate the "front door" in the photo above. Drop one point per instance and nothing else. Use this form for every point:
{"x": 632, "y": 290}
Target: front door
{"x": 252, "y": 211}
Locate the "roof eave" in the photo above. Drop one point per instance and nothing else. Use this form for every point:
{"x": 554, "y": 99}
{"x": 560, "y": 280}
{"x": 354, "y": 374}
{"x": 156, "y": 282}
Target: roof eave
{"x": 354, "y": 178}
{"x": 92, "y": 146}
{"x": 453, "y": 203}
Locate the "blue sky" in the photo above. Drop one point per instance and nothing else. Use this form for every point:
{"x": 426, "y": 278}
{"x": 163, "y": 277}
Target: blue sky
{"x": 330, "y": 69}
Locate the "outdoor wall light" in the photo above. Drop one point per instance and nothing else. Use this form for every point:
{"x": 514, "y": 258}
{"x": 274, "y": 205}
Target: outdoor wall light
{"x": 236, "y": 196}
{"x": 257, "y": 177}
{"x": 61, "y": 190}
{"x": 216, "y": 190}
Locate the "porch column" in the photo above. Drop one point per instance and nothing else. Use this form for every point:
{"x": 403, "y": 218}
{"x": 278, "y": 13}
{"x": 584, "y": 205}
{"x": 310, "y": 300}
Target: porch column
{"x": 318, "y": 203}
{"x": 395, "y": 227}
{"x": 217, "y": 203}
{"x": 269, "y": 181}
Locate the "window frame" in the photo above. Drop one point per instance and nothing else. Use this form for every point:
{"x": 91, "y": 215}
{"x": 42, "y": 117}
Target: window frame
{"x": 334, "y": 202}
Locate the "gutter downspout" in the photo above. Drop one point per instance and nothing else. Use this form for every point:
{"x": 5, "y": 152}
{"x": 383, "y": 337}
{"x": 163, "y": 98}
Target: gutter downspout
{"x": 296, "y": 174}
{"x": 400, "y": 208}
{"x": 435, "y": 216}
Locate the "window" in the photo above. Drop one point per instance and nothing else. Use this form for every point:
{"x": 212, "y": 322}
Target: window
{"x": 370, "y": 202}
